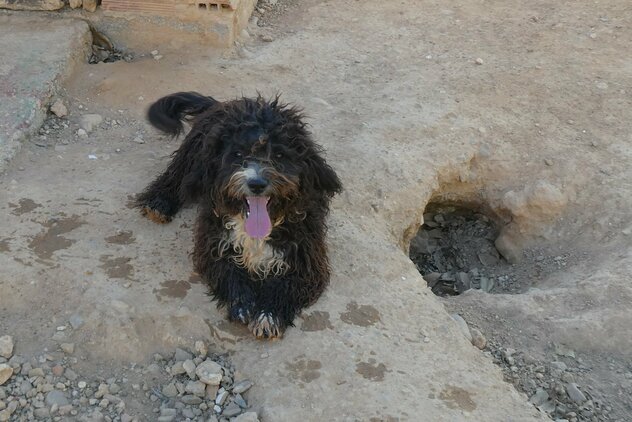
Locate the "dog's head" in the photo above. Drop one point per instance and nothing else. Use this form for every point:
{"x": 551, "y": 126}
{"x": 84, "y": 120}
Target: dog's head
{"x": 257, "y": 159}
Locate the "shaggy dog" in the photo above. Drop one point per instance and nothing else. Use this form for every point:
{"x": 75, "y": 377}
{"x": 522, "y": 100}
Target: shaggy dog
{"x": 264, "y": 191}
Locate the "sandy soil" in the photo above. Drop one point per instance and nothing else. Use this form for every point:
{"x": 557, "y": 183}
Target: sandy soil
{"x": 478, "y": 103}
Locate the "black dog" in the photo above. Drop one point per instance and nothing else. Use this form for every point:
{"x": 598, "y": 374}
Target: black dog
{"x": 264, "y": 191}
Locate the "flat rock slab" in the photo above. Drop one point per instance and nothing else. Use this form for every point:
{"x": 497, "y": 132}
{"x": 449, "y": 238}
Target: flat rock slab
{"x": 37, "y": 55}
{"x": 31, "y": 4}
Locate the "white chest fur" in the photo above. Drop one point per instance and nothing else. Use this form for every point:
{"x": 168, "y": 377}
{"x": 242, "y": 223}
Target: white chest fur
{"x": 255, "y": 255}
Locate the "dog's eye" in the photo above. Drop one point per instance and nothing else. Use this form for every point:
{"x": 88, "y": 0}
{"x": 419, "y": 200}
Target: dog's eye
{"x": 278, "y": 155}
{"x": 239, "y": 154}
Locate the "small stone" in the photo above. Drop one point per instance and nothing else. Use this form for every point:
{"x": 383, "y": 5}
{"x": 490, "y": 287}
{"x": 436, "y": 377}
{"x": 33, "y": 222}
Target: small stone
{"x": 221, "y": 397}
{"x": 5, "y": 373}
{"x": 574, "y": 393}
{"x": 460, "y": 322}
{"x": 58, "y": 370}
{"x": 59, "y": 108}
{"x": 247, "y": 417}
{"x": 75, "y": 321}
{"x": 240, "y": 401}
{"x": 539, "y": 397}
{"x": 56, "y": 397}
{"x": 177, "y": 369}
{"x": 478, "y": 339}
{"x": 158, "y": 57}
{"x": 242, "y": 386}
{"x": 70, "y": 375}
{"x": 200, "y": 348}
{"x": 182, "y": 355}
{"x": 41, "y": 413}
{"x": 170, "y": 390}
{"x": 189, "y": 368}
{"x": 89, "y": 122}
{"x": 210, "y": 372}
{"x": 231, "y": 410}
{"x": 75, "y": 4}
{"x": 68, "y": 348}
{"x": 102, "y": 391}
{"x": 548, "y": 162}
{"x": 188, "y": 413}
{"x": 217, "y": 409}
{"x": 195, "y": 387}
{"x": 90, "y": 5}
{"x": 191, "y": 399}
{"x": 104, "y": 403}
{"x": 155, "y": 52}
{"x": 82, "y": 385}
{"x": 479, "y": 61}
{"x": 432, "y": 278}
{"x": 6, "y": 347}
{"x": 82, "y": 133}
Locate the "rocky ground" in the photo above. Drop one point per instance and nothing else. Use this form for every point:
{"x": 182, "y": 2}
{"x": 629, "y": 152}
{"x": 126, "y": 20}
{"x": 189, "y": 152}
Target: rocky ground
{"x": 184, "y": 386}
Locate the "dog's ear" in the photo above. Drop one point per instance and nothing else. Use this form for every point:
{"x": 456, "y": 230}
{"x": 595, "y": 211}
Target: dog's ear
{"x": 202, "y": 167}
{"x": 322, "y": 177}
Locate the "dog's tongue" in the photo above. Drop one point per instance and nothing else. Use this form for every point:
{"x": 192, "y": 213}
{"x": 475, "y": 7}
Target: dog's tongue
{"x": 258, "y": 224}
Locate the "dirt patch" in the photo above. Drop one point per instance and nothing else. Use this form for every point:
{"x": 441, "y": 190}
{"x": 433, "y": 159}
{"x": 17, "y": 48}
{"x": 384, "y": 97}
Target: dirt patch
{"x": 124, "y": 237}
{"x": 51, "y": 239}
{"x": 457, "y": 398}
{"x": 305, "y": 370}
{"x": 117, "y": 267}
{"x": 316, "y": 321}
{"x": 371, "y": 370}
{"x": 362, "y": 315}
{"x": 173, "y": 289}
{"x": 25, "y": 205}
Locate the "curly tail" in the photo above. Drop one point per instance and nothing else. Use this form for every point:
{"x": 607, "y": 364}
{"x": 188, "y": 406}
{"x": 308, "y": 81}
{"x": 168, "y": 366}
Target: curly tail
{"x": 167, "y": 113}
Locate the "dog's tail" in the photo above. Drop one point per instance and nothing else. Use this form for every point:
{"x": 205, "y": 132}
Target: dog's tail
{"x": 167, "y": 113}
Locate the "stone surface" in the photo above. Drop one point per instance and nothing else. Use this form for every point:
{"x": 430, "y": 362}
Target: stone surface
{"x": 247, "y": 417}
{"x": 31, "y": 4}
{"x": 209, "y": 372}
{"x": 27, "y": 42}
{"x": 6, "y": 346}
{"x": 90, "y": 5}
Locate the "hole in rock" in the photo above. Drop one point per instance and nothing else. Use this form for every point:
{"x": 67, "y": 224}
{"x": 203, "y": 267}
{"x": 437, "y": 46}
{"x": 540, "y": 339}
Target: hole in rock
{"x": 454, "y": 250}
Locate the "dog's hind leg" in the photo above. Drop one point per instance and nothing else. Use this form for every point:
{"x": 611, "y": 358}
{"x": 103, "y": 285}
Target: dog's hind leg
{"x": 162, "y": 199}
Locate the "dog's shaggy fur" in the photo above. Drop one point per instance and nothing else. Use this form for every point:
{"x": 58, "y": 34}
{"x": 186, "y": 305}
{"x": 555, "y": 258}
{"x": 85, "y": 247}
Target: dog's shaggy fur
{"x": 241, "y": 158}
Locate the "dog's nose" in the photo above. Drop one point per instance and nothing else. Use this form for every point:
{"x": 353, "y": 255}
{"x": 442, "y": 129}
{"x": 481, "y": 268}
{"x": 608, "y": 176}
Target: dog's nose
{"x": 257, "y": 185}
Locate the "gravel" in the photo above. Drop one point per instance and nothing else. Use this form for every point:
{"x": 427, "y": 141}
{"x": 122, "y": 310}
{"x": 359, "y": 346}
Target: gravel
{"x": 47, "y": 387}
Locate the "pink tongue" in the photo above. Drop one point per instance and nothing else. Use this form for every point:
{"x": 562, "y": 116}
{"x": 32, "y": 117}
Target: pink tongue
{"x": 258, "y": 223}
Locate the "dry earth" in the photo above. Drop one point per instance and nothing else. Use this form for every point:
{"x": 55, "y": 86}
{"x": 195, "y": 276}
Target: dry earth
{"x": 519, "y": 109}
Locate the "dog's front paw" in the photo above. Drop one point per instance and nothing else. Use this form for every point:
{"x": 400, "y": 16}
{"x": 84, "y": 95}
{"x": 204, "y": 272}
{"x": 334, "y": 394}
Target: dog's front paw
{"x": 266, "y": 325}
{"x": 155, "y": 215}
{"x": 240, "y": 313}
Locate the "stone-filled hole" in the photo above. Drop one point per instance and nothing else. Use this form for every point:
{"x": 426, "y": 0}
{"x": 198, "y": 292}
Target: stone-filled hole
{"x": 454, "y": 250}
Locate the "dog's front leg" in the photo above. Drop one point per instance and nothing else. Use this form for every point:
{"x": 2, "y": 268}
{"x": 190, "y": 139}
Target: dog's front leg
{"x": 278, "y": 301}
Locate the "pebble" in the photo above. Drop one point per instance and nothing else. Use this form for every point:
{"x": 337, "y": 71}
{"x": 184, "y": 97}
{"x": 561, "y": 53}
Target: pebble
{"x": 247, "y": 417}
{"x": 170, "y": 390}
{"x": 267, "y": 38}
{"x": 6, "y": 346}
{"x": 539, "y": 397}
{"x": 59, "y": 109}
{"x": 479, "y": 61}
{"x": 82, "y": 133}
{"x": 231, "y": 410}
{"x": 75, "y": 321}
{"x": 574, "y": 393}
{"x": 240, "y": 401}
{"x": 201, "y": 348}
{"x": 559, "y": 365}
{"x": 478, "y": 339}
{"x": 189, "y": 368}
{"x": 68, "y": 348}
{"x": 460, "y": 322}
{"x": 210, "y": 372}
{"x": 5, "y": 373}
{"x": 221, "y": 397}
{"x": 242, "y": 386}
{"x": 191, "y": 399}
{"x": 195, "y": 387}
{"x": 56, "y": 397}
